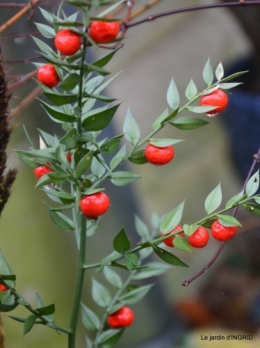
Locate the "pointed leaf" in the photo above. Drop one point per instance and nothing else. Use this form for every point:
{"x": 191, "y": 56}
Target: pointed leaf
{"x": 121, "y": 242}
{"x": 252, "y": 184}
{"x": 168, "y": 257}
{"x": 208, "y": 73}
{"x": 181, "y": 243}
{"x": 142, "y": 229}
{"x": 200, "y": 109}
{"x": 46, "y": 310}
{"x": 89, "y": 319}
{"x": 228, "y": 221}
{"x": 131, "y": 129}
{"x": 100, "y": 294}
{"x": 164, "y": 142}
{"x": 138, "y": 157}
{"x": 84, "y": 164}
{"x": 105, "y": 59}
{"x": 189, "y": 229}
{"x": 188, "y": 123}
{"x": 123, "y": 178}
{"x": 61, "y": 221}
{"x": 172, "y": 219}
{"x": 219, "y": 72}
{"x": 252, "y": 208}
{"x": 118, "y": 158}
{"x": 109, "y": 338}
{"x": 152, "y": 269}
{"x": 235, "y": 199}
{"x": 191, "y": 90}
{"x": 28, "y": 324}
{"x": 173, "y": 97}
{"x": 213, "y": 200}
{"x": 99, "y": 120}
{"x": 61, "y": 99}
{"x": 111, "y": 145}
{"x": 112, "y": 277}
{"x": 70, "y": 82}
{"x": 135, "y": 295}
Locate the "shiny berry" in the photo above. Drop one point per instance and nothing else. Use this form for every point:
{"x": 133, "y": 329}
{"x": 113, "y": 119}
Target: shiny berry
{"x": 40, "y": 171}
{"x": 216, "y": 98}
{"x": 3, "y": 288}
{"x": 158, "y": 155}
{"x": 122, "y": 318}
{"x": 48, "y": 76}
{"x": 69, "y": 157}
{"x": 67, "y": 42}
{"x": 199, "y": 238}
{"x": 103, "y": 32}
{"x": 170, "y": 241}
{"x": 92, "y": 206}
{"x": 222, "y": 233}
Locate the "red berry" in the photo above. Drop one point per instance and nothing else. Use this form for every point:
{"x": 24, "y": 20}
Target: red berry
{"x": 94, "y": 205}
{"x": 121, "y": 318}
{"x": 159, "y": 155}
{"x": 169, "y": 241}
{"x": 3, "y": 287}
{"x": 40, "y": 171}
{"x": 67, "y": 42}
{"x": 103, "y": 32}
{"x": 69, "y": 157}
{"x": 47, "y": 75}
{"x": 216, "y": 98}
{"x": 222, "y": 233}
{"x": 199, "y": 238}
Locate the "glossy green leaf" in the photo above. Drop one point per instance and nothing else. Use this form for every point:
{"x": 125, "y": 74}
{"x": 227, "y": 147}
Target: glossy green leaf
{"x": 164, "y": 142}
{"x": 142, "y": 229}
{"x": 112, "y": 277}
{"x": 61, "y": 99}
{"x": 235, "y": 199}
{"x": 121, "y": 242}
{"x": 67, "y": 197}
{"x": 28, "y": 324}
{"x": 118, "y": 158}
{"x": 159, "y": 121}
{"x": 168, "y": 257}
{"x": 252, "y": 208}
{"x": 135, "y": 295}
{"x": 106, "y": 83}
{"x": 70, "y": 139}
{"x": 138, "y": 157}
{"x": 61, "y": 221}
{"x": 173, "y": 97}
{"x": 228, "y": 221}
{"x": 100, "y": 294}
{"x": 57, "y": 62}
{"x": 188, "y": 123}
{"x": 219, "y": 72}
{"x": 201, "y": 109}
{"x": 213, "y": 200}
{"x": 52, "y": 177}
{"x": 252, "y": 185}
{"x": 88, "y": 68}
{"x": 122, "y": 178}
{"x": 111, "y": 145}
{"x": 46, "y": 30}
{"x": 84, "y": 164}
{"x": 109, "y": 338}
{"x": 191, "y": 90}
{"x": 43, "y": 46}
{"x": 47, "y": 15}
{"x": 89, "y": 319}
{"x": 100, "y": 120}
{"x": 70, "y": 82}
{"x": 172, "y": 219}
{"x": 47, "y": 138}
{"x": 131, "y": 129}
{"x": 44, "y": 155}
{"x": 46, "y": 310}
{"x": 229, "y": 85}
{"x": 233, "y": 76}
{"x": 105, "y": 59}
{"x": 208, "y": 73}
{"x": 189, "y": 229}
{"x": 181, "y": 243}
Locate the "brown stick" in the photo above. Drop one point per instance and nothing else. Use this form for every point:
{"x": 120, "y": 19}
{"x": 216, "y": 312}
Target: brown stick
{"x": 18, "y": 15}
{"x": 23, "y": 80}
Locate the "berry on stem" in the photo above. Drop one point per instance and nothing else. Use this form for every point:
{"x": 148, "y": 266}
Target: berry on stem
{"x": 103, "y": 32}
{"x": 158, "y": 155}
{"x": 92, "y": 206}
{"x": 199, "y": 238}
{"x": 170, "y": 241}
{"x": 216, "y": 98}
{"x": 122, "y": 318}
{"x": 3, "y": 288}
{"x": 67, "y": 42}
{"x": 48, "y": 76}
{"x": 222, "y": 233}
{"x": 42, "y": 170}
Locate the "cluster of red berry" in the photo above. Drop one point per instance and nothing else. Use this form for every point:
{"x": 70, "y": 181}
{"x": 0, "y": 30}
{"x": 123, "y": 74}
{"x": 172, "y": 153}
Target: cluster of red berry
{"x": 200, "y": 237}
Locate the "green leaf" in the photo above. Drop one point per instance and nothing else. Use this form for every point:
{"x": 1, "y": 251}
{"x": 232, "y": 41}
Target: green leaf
{"x": 100, "y": 294}
{"x": 235, "y": 199}
{"x": 228, "y": 221}
{"x": 49, "y": 139}
{"x": 112, "y": 277}
{"x": 61, "y": 221}
{"x": 70, "y": 139}
{"x": 138, "y": 157}
{"x": 89, "y": 319}
{"x": 52, "y": 177}
{"x": 173, "y": 97}
{"x": 189, "y": 229}
{"x": 106, "y": 83}
{"x": 135, "y": 295}
{"x": 164, "y": 142}
{"x": 188, "y": 123}
{"x": 43, "y": 46}
{"x": 132, "y": 261}
{"x": 152, "y": 269}
{"x": 46, "y": 310}
{"x": 109, "y": 338}
{"x": 99, "y": 120}
{"x": 159, "y": 121}
{"x": 191, "y": 90}
{"x": 97, "y": 168}
{"x": 84, "y": 164}
{"x": 208, "y": 73}
{"x": 43, "y": 155}
{"x": 252, "y": 185}
{"x": 121, "y": 242}
{"x": 213, "y": 200}
{"x": 105, "y": 59}
{"x": 46, "y": 30}
{"x": 131, "y": 129}
{"x": 233, "y": 76}
{"x": 181, "y": 243}
{"x": 172, "y": 219}
{"x": 61, "y": 99}
{"x": 123, "y": 178}
{"x": 118, "y": 158}
{"x": 88, "y": 68}
{"x": 168, "y": 257}
{"x": 229, "y": 85}
{"x": 6, "y": 270}
{"x": 111, "y": 145}
{"x": 252, "y": 208}
{"x": 219, "y": 72}
{"x": 70, "y": 82}
{"x": 28, "y": 324}
{"x": 47, "y": 15}
{"x": 142, "y": 229}
{"x": 200, "y": 109}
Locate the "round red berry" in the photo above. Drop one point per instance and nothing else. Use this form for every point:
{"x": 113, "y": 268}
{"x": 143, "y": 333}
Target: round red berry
{"x": 3, "y": 287}
{"x": 170, "y": 241}
{"x": 48, "y": 76}
{"x": 216, "y": 98}
{"x": 199, "y": 238}
{"x": 40, "y": 171}
{"x": 222, "y": 233}
{"x": 122, "y": 318}
{"x": 158, "y": 155}
{"x": 92, "y": 206}
{"x": 69, "y": 157}
{"x": 67, "y": 42}
{"x": 103, "y": 32}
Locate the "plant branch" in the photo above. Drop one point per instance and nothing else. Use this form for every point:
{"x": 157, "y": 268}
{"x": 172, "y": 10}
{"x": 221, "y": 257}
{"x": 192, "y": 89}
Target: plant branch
{"x": 214, "y": 258}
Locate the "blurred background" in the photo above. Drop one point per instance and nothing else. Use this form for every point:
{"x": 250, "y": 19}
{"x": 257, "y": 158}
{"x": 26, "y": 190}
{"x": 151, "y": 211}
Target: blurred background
{"x": 227, "y": 298}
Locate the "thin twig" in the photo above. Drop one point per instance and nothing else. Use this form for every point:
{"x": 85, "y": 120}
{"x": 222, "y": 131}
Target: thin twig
{"x": 214, "y": 258}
